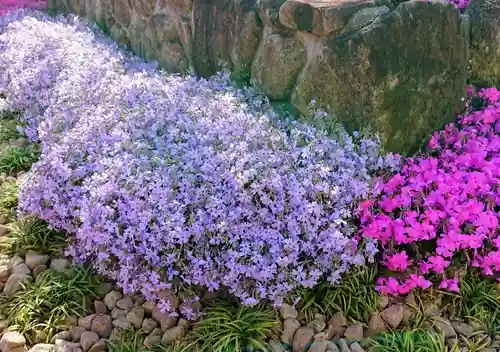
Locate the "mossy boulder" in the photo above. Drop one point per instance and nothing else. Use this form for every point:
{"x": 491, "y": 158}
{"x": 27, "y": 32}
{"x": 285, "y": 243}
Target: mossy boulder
{"x": 402, "y": 75}
{"x": 485, "y": 42}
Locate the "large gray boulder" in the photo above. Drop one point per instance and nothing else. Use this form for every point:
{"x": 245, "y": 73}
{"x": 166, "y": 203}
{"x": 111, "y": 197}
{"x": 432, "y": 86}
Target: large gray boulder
{"x": 402, "y": 74}
{"x": 484, "y": 18}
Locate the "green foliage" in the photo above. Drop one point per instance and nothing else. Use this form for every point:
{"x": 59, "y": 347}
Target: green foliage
{"x": 478, "y": 296}
{"x": 44, "y": 304}
{"x": 131, "y": 340}
{"x": 15, "y": 159}
{"x": 30, "y": 233}
{"x": 408, "y": 341}
{"x": 8, "y": 131}
{"x": 8, "y": 195}
{"x": 229, "y": 329}
{"x": 355, "y": 296}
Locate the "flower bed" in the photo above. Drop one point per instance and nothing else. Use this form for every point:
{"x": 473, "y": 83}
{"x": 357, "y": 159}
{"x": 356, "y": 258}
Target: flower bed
{"x": 439, "y": 215}
{"x": 165, "y": 178}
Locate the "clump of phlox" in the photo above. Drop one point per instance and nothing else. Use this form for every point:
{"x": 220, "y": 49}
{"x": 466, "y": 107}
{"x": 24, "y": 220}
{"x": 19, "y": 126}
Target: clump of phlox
{"x": 441, "y": 211}
{"x": 167, "y": 179}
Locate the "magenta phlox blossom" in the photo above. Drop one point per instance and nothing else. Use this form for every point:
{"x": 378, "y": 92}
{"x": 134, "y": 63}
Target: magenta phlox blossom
{"x": 447, "y": 201}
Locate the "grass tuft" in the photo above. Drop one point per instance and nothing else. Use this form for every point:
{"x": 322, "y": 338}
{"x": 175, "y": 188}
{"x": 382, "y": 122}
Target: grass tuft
{"x": 234, "y": 329}
{"x": 15, "y": 159}
{"x": 355, "y": 296}
{"x": 408, "y": 341}
{"x": 32, "y": 234}
{"x": 43, "y": 305}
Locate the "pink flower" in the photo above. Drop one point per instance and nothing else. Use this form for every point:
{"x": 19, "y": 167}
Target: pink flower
{"x": 397, "y": 262}
{"x": 438, "y": 263}
{"x": 450, "y": 285}
{"x": 420, "y": 281}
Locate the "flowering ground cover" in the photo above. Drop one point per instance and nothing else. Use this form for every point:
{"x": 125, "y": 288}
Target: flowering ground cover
{"x": 130, "y": 155}
{"x": 439, "y": 214}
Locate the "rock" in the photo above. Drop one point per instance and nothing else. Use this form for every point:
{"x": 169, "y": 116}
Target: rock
{"x": 332, "y": 347}
{"x": 487, "y": 349}
{"x": 4, "y": 272}
{"x": 4, "y": 230}
{"x": 65, "y": 346}
{"x": 365, "y": 17}
{"x": 318, "y": 325}
{"x": 136, "y": 316}
{"x": 354, "y": 332}
{"x": 248, "y": 33}
{"x": 15, "y": 283}
{"x": 60, "y": 265}
{"x": 318, "y": 346}
{"x": 393, "y": 315}
{"x": 149, "y": 325}
{"x": 302, "y": 338}
{"x": 362, "y": 85}
{"x": 355, "y": 347}
{"x": 277, "y": 65}
{"x": 125, "y": 303}
{"x": 42, "y": 347}
{"x": 144, "y": 8}
{"x": 152, "y": 340}
{"x": 70, "y": 321}
{"x": 62, "y": 335}
{"x": 100, "y": 307}
{"x": 99, "y": 346}
{"x": 463, "y": 328}
{"x": 86, "y": 322}
{"x": 88, "y": 339}
{"x": 290, "y": 326}
{"x": 111, "y": 299}
{"x": 444, "y": 326}
{"x": 3, "y": 325}
{"x": 149, "y": 306}
{"x": 15, "y": 261}
{"x": 431, "y": 309}
{"x": 118, "y": 313}
{"x": 38, "y": 270}
{"x": 184, "y": 323}
{"x": 139, "y": 300}
{"x": 382, "y": 301}
{"x": 172, "y": 335}
{"x": 122, "y": 323}
{"x": 336, "y": 325}
{"x": 102, "y": 325}
{"x": 119, "y": 35}
{"x": 121, "y": 11}
{"x": 21, "y": 269}
{"x": 33, "y": 259}
{"x": 376, "y": 325}
{"x": 288, "y": 312}
{"x": 224, "y": 33}
{"x": 276, "y": 346}
{"x": 484, "y": 18}
{"x": 320, "y": 336}
{"x": 76, "y": 333}
{"x": 320, "y": 18}
{"x": 116, "y": 335}
{"x": 11, "y": 340}
{"x": 344, "y": 347}
{"x": 165, "y": 320}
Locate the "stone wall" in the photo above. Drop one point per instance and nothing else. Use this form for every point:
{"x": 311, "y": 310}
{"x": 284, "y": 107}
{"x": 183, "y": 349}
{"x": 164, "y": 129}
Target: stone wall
{"x": 396, "y": 67}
